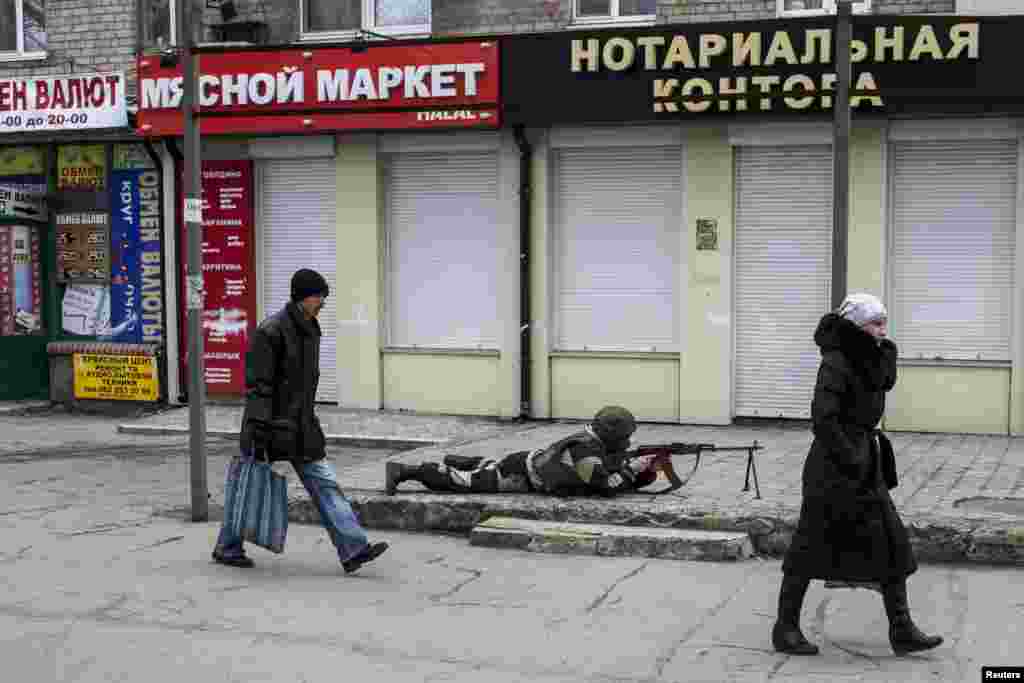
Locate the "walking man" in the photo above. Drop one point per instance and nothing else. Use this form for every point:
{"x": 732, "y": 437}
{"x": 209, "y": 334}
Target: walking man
{"x": 282, "y": 371}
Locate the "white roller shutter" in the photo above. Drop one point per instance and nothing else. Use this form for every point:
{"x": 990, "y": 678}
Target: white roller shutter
{"x": 618, "y": 215}
{"x": 954, "y": 217}
{"x": 443, "y": 257}
{"x": 783, "y": 275}
{"x": 298, "y": 210}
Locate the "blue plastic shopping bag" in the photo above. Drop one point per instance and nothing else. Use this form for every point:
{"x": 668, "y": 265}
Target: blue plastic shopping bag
{"x": 256, "y": 503}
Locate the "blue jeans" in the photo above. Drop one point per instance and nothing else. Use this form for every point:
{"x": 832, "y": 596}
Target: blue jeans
{"x": 336, "y": 514}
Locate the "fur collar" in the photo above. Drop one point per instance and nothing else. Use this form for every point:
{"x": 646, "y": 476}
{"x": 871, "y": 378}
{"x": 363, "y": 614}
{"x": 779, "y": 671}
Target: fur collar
{"x": 875, "y": 362}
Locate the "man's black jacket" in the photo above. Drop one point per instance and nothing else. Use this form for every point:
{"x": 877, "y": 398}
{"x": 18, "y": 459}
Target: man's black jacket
{"x": 282, "y": 371}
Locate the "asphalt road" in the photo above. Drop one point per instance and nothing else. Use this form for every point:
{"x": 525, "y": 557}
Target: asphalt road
{"x": 104, "y": 580}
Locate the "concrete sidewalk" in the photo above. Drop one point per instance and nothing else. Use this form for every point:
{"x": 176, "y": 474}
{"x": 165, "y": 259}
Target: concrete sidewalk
{"x": 961, "y": 496}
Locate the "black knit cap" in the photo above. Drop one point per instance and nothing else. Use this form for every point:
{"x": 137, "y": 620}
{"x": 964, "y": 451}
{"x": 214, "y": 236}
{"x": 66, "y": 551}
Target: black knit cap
{"x": 307, "y": 282}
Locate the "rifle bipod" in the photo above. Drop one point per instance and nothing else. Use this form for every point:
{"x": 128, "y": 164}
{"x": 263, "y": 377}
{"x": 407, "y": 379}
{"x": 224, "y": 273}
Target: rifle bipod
{"x": 752, "y": 467}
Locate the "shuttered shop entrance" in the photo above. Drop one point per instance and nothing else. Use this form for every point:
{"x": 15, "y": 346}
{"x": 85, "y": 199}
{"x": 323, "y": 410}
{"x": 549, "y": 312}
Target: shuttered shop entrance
{"x": 443, "y": 222}
{"x": 783, "y": 263}
{"x": 618, "y": 213}
{"x": 298, "y": 210}
{"x": 954, "y": 226}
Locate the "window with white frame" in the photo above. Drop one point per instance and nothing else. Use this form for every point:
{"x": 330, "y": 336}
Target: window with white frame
{"x": 22, "y": 29}
{"x": 342, "y": 18}
{"x": 797, "y": 8}
{"x": 608, "y": 11}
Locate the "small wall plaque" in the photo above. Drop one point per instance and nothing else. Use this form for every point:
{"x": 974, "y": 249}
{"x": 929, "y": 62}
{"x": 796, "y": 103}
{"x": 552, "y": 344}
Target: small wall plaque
{"x": 707, "y": 234}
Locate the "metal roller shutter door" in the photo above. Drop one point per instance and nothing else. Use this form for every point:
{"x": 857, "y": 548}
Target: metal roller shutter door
{"x": 954, "y": 218}
{"x": 783, "y": 275}
{"x": 618, "y": 213}
{"x": 298, "y": 210}
{"x": 443, "y": 249}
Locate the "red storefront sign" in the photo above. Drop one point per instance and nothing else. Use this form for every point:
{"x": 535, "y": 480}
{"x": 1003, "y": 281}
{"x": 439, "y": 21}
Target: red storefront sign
{"x": 424, "y": 86}
{"x": 229, "y": 302}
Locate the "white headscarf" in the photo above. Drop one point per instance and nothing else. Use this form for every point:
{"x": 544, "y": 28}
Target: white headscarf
{"x": 861, "y": 309}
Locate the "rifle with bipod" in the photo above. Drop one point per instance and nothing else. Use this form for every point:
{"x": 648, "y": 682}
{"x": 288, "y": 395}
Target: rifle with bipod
{"x": 663, "y": 453}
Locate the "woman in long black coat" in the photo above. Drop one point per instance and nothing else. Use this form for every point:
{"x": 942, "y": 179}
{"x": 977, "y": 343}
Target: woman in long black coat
{"x": 849, "y": 529}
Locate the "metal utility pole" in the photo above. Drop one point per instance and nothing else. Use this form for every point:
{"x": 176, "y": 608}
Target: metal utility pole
{"x": 194, "y": 227}
{"x": 841, "y": 152}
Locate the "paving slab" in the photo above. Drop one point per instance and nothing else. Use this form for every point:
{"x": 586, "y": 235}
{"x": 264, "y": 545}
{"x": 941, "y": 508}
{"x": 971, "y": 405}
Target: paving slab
{"x": 611, "y": 540}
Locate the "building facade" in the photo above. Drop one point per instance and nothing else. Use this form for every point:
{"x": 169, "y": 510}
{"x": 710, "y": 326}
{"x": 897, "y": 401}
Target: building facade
{"x": 83, "y": 239}
{"x": 585, "y": 247}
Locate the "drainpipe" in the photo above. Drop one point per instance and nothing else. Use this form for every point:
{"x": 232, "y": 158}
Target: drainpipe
{"x": 525, "y": 155}
{"x": 172, "y": 233}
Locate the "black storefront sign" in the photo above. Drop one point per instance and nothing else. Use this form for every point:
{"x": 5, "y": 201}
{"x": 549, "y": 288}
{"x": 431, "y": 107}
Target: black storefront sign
{"x": 902, "y": 66}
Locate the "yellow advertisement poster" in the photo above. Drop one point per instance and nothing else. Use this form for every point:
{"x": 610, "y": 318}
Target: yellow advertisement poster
{"x": 21, "y": 161}
{"x": 116, "y": 377}
{"x": 82, "y": 167}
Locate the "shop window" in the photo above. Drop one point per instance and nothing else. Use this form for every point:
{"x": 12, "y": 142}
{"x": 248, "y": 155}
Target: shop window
{"x": 331, "y": 19}
{"x": 22, "y": 29}
{"x": 21, "y": 294}
{"x": 158, "y": 23}
{"x": 797, "y": 8}
{"x": 614, "y": 11}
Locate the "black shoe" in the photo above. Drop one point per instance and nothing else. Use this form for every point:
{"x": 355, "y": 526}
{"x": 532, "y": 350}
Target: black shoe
{"x": 371, "y": 553}
{"x": 906, "y": 637}
{"x": 788, "y": 639}
{"x": 238, "y": 561}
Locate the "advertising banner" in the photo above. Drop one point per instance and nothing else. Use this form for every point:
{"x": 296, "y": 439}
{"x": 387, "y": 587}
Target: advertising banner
{"x": 424, "y": 86}
{"x": 63, "y": 103}
{"x": 21, "y": 282}
{"x": 86, "y": 310}
{"x": 116, "y": 377}
{"x": 83, "y": 246}
{"x": 125, "y": 258}
{"x": 902, "y": 66}
{"x": 229, "y": 304}
{"x": 16, "y": 202}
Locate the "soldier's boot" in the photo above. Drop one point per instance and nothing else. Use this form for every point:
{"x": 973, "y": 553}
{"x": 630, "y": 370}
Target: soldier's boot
{"x": 395, "y": 473}
{"x": 786, "y": 634}
{"x": 428, "y": 474}
{"x": 904, "y": 635}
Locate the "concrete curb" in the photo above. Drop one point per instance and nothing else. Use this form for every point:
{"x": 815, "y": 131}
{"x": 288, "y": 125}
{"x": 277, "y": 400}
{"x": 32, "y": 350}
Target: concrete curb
{"x": 24, "y": 407}
{"x": 359, "y": 440}
{"x": 935, "y": 539}
{"x": 612, "y": 540}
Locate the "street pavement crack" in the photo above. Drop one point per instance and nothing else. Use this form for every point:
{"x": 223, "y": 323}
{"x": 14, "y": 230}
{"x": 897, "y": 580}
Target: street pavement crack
{"x": 150, "y": 546}
{"x": 104, "y": 529}
{"x": 14, "y": 557}
{"x": 663, "y": 659}
{"x": 25, "y": 511}
{"x": 604, "y": 596}
{"x": 476, "y": 574}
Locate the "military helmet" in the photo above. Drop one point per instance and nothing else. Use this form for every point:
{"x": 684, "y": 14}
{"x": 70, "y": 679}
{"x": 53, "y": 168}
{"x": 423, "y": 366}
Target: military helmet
{"x": 613, "y": 425}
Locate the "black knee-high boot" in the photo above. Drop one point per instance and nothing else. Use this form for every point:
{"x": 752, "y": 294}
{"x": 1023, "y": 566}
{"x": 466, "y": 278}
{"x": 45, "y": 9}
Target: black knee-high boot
{"x": 786, "y": 634}
{"x": 904, "y": 635}
{"x": 429, "y": 474}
